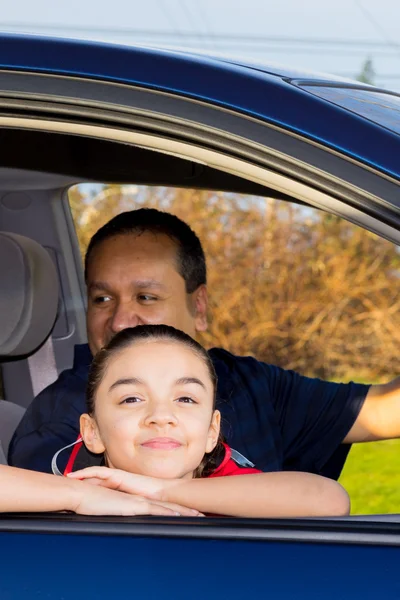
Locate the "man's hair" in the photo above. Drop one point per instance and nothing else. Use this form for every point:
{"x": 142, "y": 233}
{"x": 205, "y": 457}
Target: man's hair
{"x": 190, "y": 255}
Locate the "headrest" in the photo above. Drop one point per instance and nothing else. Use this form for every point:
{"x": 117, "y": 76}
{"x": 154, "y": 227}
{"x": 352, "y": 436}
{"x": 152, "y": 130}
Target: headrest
{"x": 28, "y": 295}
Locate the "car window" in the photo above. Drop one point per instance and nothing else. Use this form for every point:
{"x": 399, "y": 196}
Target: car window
{"x": 292, "y": 286}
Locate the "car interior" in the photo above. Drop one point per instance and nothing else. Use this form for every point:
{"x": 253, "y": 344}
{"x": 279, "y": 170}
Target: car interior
{"x": 41, "y": 270}
{"x": 29, "y": 303}
{"x": 42, "y": 300}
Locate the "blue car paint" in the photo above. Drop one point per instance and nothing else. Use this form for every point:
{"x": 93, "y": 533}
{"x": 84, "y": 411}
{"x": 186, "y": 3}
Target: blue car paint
{"x": 106, "y": 567}
{"x": 377, "y": 106}
{"x": 261, "y": 94}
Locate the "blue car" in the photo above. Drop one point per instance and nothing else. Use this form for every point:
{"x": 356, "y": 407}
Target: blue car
{"x": 75, "y": 112}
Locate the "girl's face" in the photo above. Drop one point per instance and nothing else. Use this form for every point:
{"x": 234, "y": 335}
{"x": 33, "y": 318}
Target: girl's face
{"x": 154, "y": 411}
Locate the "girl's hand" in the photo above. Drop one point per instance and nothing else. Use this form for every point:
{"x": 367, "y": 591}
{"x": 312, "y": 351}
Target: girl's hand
{"x": 148, "y": 487}
{"x": 116, "y": 479}
{"x": 92, "y": 500}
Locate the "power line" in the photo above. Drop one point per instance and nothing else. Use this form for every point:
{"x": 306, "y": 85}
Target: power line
{"x": 17, "y": 27}
{"x": 192, "y": 41}
{"x": 382, "y": 76}
{"x": 192, "y": 21}
{"x": 372, "y": 20}
{"x": 176, "y": 29}
{"x": 206, "y": 22}
{"x": 228, "y": 42}
{"x": 189, "y": 18}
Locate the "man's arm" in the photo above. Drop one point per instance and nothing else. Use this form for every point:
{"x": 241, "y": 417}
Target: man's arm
{"x": 379, "y": 417}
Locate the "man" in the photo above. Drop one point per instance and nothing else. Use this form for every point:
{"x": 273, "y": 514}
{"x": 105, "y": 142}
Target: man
{"x": 146, "y": 266}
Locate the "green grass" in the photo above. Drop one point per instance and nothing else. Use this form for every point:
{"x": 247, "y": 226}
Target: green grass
{"x": 372, "y": 477}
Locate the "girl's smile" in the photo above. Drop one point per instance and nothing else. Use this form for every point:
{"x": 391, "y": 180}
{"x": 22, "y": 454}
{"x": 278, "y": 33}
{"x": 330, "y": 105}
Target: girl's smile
{"x": 162, "y": 443}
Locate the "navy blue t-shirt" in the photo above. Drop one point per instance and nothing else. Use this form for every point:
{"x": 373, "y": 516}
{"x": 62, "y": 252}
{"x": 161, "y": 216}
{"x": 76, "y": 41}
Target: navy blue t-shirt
{"x": 278, "y": 419}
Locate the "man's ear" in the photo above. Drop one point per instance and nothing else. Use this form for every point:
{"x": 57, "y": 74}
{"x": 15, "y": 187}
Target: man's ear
{"x": 213, "y": 432}
{"x": 200, "y": 301}
{"x": 90, "y": 434}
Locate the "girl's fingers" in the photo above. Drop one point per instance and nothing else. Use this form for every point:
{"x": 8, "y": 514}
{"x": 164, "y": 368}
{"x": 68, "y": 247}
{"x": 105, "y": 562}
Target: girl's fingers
{"x": 183, "y": 511}
{"x": 157, "y": 509}
{"x": 97, "y": 481}
{"x": 91, "y": 472}
{"x": 111, "y": 478}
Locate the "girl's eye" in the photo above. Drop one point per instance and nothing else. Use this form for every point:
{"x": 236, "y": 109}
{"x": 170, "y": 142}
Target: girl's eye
{"x": 131, "y": 400}
{"x": 186, "y": 400}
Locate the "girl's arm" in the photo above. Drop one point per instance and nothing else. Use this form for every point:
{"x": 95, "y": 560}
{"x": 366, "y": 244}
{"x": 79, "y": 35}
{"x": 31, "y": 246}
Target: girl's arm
{"x": 23, "y": 490}
{"x": 281, "y": 494}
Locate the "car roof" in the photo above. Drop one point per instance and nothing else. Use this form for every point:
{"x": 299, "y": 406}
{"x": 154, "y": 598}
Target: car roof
{"x": 353, "y": 118}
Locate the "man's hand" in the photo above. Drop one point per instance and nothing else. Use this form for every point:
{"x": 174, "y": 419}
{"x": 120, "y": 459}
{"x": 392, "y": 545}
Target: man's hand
{"x": 145, "y": 493}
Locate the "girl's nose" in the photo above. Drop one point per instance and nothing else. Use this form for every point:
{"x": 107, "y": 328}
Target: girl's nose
{"x": 161, "y": 418}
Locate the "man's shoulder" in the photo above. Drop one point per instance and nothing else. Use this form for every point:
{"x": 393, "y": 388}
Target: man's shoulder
{"x": 225, "y": 362}
{"x": 223, "y": 359}
{"x": 259, "y": 378}
{"x": 220, "y": 354}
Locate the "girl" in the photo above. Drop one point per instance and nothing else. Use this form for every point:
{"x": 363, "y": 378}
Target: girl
{"x": 152, "y": 419}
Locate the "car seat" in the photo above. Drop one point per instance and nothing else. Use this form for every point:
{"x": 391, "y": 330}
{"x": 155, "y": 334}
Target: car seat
{"x": 28, "y": 310}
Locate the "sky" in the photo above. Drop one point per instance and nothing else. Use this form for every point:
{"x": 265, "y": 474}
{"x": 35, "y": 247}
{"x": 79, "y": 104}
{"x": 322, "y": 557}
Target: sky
{"x": 334, "y": 37}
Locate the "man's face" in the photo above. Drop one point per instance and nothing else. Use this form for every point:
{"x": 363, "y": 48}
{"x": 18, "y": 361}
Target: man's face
{"x": 134, "y": 280}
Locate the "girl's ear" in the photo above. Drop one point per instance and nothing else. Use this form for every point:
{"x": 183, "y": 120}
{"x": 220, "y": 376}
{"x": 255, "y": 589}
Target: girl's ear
{"x": 90, "y": 434}
{"x": 213, "y": 432}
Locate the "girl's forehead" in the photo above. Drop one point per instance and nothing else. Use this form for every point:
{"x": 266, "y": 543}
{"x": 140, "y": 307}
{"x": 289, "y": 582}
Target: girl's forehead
{"x": 150, "y": 355}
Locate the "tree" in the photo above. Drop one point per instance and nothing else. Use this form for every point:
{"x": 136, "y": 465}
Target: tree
{"x": 367, "y": 73}
{"x": 293, "y": 286}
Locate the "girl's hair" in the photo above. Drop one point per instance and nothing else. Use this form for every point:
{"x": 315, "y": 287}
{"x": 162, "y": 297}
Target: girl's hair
{"x": 128, "y": 337}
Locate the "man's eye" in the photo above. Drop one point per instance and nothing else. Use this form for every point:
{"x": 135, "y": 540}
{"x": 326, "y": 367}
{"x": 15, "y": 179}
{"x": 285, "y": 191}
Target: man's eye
{"x": 131, "y": 400}
{"x": 186, "y": 400}
{"x": 147, "y": 298}
{"x": 101, "y": 299}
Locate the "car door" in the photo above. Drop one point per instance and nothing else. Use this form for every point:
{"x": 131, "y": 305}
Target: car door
{"x": 73, "y": 557}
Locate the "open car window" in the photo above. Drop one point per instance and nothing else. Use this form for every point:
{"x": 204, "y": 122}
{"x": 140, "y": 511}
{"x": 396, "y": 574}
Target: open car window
{"x": 306, "y": 291}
